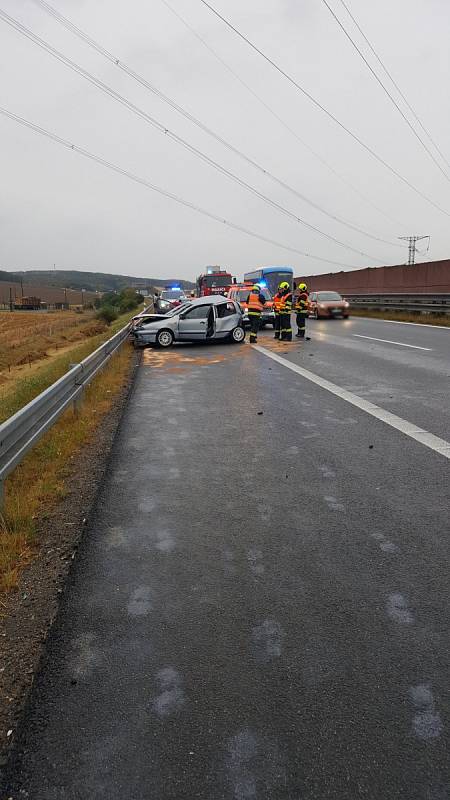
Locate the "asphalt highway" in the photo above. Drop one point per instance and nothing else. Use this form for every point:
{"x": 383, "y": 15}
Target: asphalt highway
{"x": 405, "y": 368}
{"x": 260, "y": 609}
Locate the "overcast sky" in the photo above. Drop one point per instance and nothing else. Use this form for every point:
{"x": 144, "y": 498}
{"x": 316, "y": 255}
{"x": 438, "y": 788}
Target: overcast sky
{"x": 58, "y": 208}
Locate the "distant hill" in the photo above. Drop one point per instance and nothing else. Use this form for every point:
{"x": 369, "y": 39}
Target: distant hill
{"x": 90, "y": 281}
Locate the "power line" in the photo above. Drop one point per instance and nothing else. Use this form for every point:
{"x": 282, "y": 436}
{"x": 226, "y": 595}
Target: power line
{"x": 66, "y": 23}
{"x": 385, "y": 89}
{"x": 167, "y": 132}
{"x": 325, "y": 110}
{"x": 394, "y": 83}
{"x": 277, "y": 117}
{"x": 144, "y": 182}
{"x": 412, "y": 249}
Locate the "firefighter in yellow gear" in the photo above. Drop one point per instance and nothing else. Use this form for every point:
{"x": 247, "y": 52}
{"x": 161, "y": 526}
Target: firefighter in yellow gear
{"x": 255, "y": 305}
{"x": 301, "y": 308}
{"x": 277, "y": 303}
{"x": 285, "y": 312}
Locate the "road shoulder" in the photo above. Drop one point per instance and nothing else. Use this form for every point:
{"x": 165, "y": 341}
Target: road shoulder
{"x": 27, "y": 615}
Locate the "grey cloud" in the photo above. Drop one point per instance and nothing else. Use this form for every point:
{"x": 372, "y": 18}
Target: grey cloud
{"x": 57, "y": 208}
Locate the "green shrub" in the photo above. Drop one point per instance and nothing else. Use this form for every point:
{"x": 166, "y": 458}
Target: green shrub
{"x": 107, "y": 313}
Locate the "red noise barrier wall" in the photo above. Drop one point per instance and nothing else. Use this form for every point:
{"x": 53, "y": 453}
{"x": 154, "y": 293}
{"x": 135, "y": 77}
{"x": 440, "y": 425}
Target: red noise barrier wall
{"x": 432, "y": 277}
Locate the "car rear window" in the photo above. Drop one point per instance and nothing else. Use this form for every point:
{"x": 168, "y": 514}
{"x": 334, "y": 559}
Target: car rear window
{"x": 328, "y": 296}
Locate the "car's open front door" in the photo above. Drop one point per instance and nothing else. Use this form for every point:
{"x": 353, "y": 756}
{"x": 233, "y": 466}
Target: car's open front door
{"x": 193, "y": 324}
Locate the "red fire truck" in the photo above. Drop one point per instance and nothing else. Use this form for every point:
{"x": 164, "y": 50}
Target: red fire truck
{"x": 214, "y": 281}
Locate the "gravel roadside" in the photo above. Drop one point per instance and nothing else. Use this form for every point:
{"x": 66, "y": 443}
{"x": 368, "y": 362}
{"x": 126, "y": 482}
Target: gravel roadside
{"x": 27, "y": 614}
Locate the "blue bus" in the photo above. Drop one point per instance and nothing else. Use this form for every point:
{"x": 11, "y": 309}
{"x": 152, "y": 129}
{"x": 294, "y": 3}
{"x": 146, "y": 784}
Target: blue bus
{"x": 270, "y": 277}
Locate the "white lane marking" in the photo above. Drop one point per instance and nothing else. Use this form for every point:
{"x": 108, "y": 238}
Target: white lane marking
{"x": 416, "y": 324}
{"x": 408, "y": 428}
{"x": 388, "y": 341}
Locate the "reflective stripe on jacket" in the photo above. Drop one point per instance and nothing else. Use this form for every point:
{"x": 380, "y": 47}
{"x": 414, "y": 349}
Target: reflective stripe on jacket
{"x": 286, "y": 303}
{"x": 302, "y": 303}
{"x": 277, "y": 302}
{"x": 254, "y": 303}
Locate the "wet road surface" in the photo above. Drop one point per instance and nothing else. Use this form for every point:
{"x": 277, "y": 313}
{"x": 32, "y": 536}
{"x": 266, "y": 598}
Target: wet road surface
{"x": 260, "y": 607}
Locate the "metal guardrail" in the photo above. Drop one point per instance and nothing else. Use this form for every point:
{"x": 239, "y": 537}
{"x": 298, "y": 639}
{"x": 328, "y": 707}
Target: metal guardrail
{"x": 22, "y": 431}
{"x": 422, "y": 303}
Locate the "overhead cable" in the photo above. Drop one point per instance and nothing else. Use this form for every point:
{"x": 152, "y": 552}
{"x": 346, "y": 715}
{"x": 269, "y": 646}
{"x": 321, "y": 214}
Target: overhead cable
{"x": 278, "y": 118}
{"x": 394, "y": 83}
{"x": 170, "y": 134}
{"x": 144, "y": 182}
{"x": 385, "y": 89}
{"x": 329, "y": 114}
{"x": 66, "y": 23}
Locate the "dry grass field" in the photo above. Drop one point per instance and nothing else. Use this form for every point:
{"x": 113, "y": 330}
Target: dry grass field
{"x": 30, "y": 336}
{"x": 28, "y": 344}
{"x": 53, "y": 348}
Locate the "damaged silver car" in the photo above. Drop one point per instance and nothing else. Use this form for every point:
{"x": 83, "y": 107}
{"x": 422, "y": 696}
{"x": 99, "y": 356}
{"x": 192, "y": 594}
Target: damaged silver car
{"x": 201, "y": 320}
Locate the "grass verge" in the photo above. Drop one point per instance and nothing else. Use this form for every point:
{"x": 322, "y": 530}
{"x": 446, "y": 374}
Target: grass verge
{"x": 403, "y": 316}
{"x": 24, "y": 390}
{"x": 39, "y": 482}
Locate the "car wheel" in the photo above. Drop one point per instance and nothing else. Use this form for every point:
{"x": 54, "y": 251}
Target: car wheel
{"x": 165, "y": 338}
{"x": 237, "y": 335}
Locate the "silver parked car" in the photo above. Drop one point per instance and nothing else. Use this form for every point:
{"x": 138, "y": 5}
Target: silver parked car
{"x": 212, "y": 317}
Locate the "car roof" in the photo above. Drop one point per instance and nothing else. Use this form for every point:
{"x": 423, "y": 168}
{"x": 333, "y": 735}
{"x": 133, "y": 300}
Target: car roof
{"x": 211, "y": 299}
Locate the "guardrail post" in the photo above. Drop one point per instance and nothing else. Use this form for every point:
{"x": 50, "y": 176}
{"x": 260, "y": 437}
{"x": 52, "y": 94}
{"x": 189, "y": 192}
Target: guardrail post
{"x": 76, "y": 405}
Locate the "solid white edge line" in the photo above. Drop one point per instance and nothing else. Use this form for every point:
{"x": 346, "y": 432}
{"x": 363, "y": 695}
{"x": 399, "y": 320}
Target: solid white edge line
{"x": 388, "y": 341}
{"x": 402, "y": 322}
{"x": 440, "y": 446}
